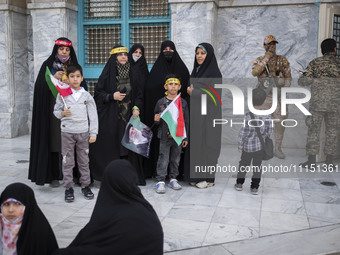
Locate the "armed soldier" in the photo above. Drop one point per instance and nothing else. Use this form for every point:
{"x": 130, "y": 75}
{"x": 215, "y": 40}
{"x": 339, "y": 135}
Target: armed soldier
{"x": 323, "y": 75}
{"x": 269, "y": 69}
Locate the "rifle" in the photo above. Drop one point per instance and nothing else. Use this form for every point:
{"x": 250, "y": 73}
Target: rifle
{"x": 269, "y": 82}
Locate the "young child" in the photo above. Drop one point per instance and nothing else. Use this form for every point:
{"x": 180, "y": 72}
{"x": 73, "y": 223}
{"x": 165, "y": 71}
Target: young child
{"x": 79, "y": 127}
{"x": 169, "y": 151}
{"x": 24, "y": 229}
{"x": 250, "y": 145}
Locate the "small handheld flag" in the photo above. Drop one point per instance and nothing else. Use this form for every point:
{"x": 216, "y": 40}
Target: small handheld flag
{"x": 49, "y": 82}
{"x": 57, "y": 86}
{"x": 173, "y": 116}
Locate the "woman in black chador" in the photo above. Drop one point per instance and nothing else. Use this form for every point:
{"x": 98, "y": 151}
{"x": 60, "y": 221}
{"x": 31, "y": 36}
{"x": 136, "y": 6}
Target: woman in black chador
{"x": 168, "y": 62}
{"x": 138, "y": 62}
{"x": 31, "y": 233}
{"x": 45, "y": 154}
{"x": 205, "y": 140}
{"x": 123, "y": 222}
{"x": 118, "y": 96}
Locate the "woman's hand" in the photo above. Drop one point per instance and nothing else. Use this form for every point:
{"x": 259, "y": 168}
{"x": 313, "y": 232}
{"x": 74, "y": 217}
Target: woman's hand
{"x": 190, "y": 89}
{"x": 135, "y": 113}
{"x": 118, "y": 96}
{"x": 58, "y": 75}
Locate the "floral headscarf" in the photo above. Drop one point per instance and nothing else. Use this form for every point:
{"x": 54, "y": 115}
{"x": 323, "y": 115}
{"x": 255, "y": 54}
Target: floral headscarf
{"x": 9, "y": 230}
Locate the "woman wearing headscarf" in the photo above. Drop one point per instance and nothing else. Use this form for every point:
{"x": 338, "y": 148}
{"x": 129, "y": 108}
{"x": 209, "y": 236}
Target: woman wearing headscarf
{"x": 122, "y": 222}
{"x": 45, "y": 153}
{"x": 24, "y": 229}
{"x": 138, "y": 62}
{"x": 205, "y": 140}
{"x": 168, "y": 62}
{"x": 118, "y": 96}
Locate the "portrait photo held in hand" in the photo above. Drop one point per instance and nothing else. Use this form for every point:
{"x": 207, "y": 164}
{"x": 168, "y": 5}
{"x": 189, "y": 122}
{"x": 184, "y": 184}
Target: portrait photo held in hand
{"x": 137, "y": 137}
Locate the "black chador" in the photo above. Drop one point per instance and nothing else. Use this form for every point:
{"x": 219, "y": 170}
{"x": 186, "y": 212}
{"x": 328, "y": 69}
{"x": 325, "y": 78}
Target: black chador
{"x": 166, "y": 63}
{"x": 45, "y": 153}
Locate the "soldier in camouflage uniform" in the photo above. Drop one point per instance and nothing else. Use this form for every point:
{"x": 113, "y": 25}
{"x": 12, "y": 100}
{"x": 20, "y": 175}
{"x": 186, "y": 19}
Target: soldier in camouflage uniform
{"x": 323, "y": 75}
{"x": 279, "y": 68}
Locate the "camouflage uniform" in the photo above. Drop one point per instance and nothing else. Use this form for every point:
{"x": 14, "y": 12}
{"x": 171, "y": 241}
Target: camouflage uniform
{"x": 323, "y": 75}
{"x": 279, "y": 67}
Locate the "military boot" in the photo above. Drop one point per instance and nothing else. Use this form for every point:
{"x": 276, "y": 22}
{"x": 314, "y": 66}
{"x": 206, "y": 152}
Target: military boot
{"x": 278, "y": 152}
{"x": 329, "y": 163}
{"x": 310, "y": 162}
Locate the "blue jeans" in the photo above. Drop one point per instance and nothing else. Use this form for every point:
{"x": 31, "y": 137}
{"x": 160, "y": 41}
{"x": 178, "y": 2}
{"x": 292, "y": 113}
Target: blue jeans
{"x": 169, "y": 154}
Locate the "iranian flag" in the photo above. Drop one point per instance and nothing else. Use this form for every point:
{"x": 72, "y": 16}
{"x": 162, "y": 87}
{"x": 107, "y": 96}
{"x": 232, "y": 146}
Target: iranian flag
{"x": 173, "y": 116}
{"x": 53, "y": 83}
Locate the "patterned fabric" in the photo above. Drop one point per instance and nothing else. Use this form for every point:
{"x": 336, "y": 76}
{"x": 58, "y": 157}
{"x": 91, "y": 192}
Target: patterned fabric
{"x": 123, "y": 70}
{"x": 323, "y": 75}
{"x": 124, "y": 86}
{"x": 313, "y": 123}
{"x": 279, "y": 67}
{"x": 248, "y": 140}
{"x": 9, "y": 231}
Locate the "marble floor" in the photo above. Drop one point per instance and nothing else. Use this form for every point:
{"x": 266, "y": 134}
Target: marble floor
{"x": 293, "y": 214}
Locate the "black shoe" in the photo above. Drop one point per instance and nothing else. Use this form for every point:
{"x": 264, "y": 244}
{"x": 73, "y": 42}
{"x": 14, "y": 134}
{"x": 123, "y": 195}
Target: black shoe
{"x": 54, "y": 184}
{"x": 310, "y": 163}
{"x": 69, "y": 195}
{"x": 329, "y": 163}
{"x": 87, "y": 193}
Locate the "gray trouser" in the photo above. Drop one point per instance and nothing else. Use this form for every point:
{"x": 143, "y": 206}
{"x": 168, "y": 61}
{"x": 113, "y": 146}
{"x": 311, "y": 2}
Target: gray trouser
{"x": 169, "y": 152}
{"x": 80, "y": 141}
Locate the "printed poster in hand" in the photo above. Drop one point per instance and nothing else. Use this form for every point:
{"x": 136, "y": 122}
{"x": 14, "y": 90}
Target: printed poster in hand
{"x": 137, "y": 137}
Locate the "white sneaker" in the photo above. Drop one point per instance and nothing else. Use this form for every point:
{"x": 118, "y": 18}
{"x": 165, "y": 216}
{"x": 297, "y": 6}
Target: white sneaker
{"x": 174, "y": 184}
{"x": 160, "y": 187}
{"x": 202, "y": 185}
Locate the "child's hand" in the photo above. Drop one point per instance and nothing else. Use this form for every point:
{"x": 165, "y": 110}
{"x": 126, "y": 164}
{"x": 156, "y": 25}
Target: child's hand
{"x": 184, "y": 144}
{"x": 118, "y": 96}
{"x": 66, "y": 112}
{"x": 240, "y": 151}
{"x": 135, "y": 113}
{"x": 92, "y": 139}
{"x": 157, "y": 117}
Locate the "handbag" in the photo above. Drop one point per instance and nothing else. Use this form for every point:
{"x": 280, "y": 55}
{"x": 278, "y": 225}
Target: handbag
{"x": 267, "y": 145}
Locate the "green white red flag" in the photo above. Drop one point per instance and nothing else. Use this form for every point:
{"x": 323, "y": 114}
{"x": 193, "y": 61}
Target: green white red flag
{"x": 62, "y": 88}
{"x": 173, "y": 116}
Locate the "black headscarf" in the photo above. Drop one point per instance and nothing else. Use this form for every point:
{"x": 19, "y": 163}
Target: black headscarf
{"x": 35, "y": 236}
{"x": 154, "y": 88}
{"x": 140, "y": 66}
{"x": 122, "y": 222}
{"x": 209, "y": 68}
{"x": 108, "y": 143}
{"x": 45, "y": 163}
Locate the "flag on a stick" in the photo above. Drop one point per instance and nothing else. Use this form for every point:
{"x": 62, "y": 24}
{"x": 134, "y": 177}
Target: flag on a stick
{"x": 50, "y": 83}
{"x": 173, "y": 116}
{"x": 61, "y": 87}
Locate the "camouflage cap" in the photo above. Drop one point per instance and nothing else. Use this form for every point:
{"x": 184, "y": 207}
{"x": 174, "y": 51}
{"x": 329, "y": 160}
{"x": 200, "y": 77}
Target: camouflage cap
{"x": 269, "y": 39}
